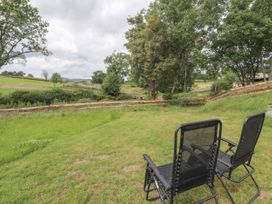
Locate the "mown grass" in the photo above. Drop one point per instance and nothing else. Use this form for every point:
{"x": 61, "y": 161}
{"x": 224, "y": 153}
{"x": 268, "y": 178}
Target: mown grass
{"x": 85, "y": 156}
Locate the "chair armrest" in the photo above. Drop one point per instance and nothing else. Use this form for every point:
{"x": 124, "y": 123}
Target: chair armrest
{"x": 230, "y": 143}
{"x": 156, "y": 171}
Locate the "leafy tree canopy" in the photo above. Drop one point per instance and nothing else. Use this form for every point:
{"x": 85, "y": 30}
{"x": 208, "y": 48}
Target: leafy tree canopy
{"x": 22, "y": 31}
{"x": 56, "y": 78}
{"x": 98, "y": 77}
{"x": 118, "y": 64}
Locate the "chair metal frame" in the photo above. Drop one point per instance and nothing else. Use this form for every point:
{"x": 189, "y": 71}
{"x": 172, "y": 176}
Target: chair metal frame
{"x": 166, "y": 191}
{"x": 246, "y": 163}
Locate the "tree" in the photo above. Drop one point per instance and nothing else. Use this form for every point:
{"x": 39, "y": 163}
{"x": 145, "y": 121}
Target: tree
{"x": 135, "y": 45}
{"x": 155, "y": 48}
{"x": 98, "y": 77}
{"x": 56, "y": 78}
{"x": 30, "y": 75}
{"x": 185, "y": 31}
{"x": 166, "y": 42}
{"x": 21, "y": 74}
{"x": 111, "y": 84}
{"x": 118, "y": 63}
{"x": 45, "y": 74}
{"x": 243, "y": 36}
{"x": 22, "y": 31}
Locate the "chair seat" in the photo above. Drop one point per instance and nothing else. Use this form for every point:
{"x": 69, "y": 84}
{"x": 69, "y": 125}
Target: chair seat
{"x": 190, "y": 176}
{"x": 223, "y": 163}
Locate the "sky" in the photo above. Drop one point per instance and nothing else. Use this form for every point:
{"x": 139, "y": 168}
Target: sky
{"x": 82, "y": 33}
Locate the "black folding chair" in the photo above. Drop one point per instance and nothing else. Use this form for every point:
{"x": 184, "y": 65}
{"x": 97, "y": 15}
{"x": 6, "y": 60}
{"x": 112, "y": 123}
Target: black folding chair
{"x": 196, "y": 147}
{"x": 242, "y": 156}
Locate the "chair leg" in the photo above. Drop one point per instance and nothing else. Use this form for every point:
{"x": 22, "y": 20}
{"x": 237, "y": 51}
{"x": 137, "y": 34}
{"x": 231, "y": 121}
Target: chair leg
{"x": 214, "y": 194}
{"x": 257, "y": 194}
{"x": 227, "y": 191}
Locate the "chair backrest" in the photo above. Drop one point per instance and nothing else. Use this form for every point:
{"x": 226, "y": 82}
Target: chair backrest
{"x": 248, "y": 140}
{"x": 195, "y": 151}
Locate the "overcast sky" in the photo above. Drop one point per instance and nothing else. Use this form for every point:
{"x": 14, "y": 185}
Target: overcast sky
{"x": 81, "y": 34}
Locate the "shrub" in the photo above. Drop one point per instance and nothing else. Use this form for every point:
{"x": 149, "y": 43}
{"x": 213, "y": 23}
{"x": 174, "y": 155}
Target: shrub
{"x": 26, "y": 98}
{"x": 61, "y": 95}
{"x": 224, "y": 84}
{"x": 56, "y": 78}
{"x": 111, "y": 84}
{"x": 167, "y": 96}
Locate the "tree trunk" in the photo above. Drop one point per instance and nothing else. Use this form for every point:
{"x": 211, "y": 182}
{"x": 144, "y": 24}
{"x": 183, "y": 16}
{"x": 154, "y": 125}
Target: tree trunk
{"x": 262, "y": 67}
{"x": 185, "y": 79}
{"x": 174, "y": 87}
{"x": 153, "y": 89}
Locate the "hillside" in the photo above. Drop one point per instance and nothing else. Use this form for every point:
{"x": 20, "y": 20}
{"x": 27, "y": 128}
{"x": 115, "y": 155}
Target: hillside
{"x": 10, "y": 84}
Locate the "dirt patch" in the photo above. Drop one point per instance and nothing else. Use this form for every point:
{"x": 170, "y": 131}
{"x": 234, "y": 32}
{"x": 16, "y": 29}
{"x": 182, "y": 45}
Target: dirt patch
{"x": 266, "y": 194}
{"x": 138, "y": 185}
{"x": 80, "y": 161}
{"x": 118, "y": 175}
{"x": 131, "y": 168}
{"x": 96, "y": 188}
{"x": 66, "y": 155}
{"x": 61, "y": 192}
{"x": 63, "y": 189}
{"x": 267, "y": 154}
{"x": 103, "y": 157}
{"x": 79, "y": 175}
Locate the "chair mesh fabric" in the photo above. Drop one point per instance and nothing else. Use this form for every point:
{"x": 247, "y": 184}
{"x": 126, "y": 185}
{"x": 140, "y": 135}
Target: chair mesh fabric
{"x": 196, "y": 154}
{"x": 249, "y": 137}
{"x": 224, "y": 162}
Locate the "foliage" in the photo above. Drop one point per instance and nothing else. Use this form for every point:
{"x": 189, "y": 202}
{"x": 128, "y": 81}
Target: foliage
{"x": 22, "y": 31}
{"x": 98, "y": 77}
{"x": 56, "y": 78}
{"x": 243, "y": 37}
{"x": 224, "y": 84}
{"x": 14, "y": 73}
{"x": 135, "y": 45}
{"x": 118, "y": 64}
{"x": 25, "y": 98}
{"x": 165, "y": 43}
{"x": 167, "y": 96}
{"x": 111, "y": 84}
{"x": 155, "y": 48}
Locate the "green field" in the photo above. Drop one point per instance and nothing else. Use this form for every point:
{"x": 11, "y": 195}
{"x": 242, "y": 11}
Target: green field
{"x": 9, "y": 85}
{"x": 85, "y": 156}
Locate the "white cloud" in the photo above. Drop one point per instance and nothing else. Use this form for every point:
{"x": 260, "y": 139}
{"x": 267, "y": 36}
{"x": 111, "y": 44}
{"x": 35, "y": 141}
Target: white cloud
{"x": 81, "y": 34}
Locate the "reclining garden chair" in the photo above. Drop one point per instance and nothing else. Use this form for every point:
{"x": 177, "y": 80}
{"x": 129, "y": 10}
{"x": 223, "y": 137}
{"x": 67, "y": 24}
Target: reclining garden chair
{"x": 242, "y": 156}
{"x": 196, "y": 147}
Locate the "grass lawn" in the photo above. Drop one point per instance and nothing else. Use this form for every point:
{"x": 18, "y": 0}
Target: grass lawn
{"x": 85, "y": 156}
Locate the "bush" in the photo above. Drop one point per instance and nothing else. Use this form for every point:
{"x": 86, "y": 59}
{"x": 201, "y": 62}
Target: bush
{"x": 61, "y": 95}
{"x": 224, "y": 84}
{"x": 167, "y": 96}
{"x": 48, "y": 97}
{"x": 111, "y": 84}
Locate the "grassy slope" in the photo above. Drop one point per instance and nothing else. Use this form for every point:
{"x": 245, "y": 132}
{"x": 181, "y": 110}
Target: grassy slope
{"x": 9, "y": 84}
{"x": 96, "y": 156}
{"x": 16, "y": 81}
